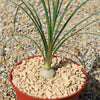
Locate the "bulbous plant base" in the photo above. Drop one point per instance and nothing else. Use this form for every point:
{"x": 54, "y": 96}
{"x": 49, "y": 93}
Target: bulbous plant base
{"x": 23, "y": 96}
{"x": 47, "y": 73}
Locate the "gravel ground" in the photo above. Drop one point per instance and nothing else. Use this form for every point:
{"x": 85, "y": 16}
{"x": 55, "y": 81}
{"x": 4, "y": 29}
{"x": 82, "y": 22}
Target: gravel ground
{"x": 84, "y": 49}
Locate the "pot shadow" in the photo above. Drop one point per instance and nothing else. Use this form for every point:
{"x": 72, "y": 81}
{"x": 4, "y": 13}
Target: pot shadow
{"x": 92, "y": 89}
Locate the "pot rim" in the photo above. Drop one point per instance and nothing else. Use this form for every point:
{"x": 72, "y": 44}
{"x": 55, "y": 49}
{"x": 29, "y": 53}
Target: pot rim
{"x": 16, "y": 89}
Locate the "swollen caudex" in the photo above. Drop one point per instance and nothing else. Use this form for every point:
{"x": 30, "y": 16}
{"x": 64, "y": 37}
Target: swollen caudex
{"x": 67, "y": 80}
{"x": 47, "y": 73}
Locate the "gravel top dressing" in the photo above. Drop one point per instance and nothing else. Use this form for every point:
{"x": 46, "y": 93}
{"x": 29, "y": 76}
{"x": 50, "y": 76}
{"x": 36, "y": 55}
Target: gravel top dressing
{"x": 68, "y": 78}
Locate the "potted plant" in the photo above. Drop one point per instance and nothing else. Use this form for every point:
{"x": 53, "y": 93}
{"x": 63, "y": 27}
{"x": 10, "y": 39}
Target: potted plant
{"x": 51, "y": 45}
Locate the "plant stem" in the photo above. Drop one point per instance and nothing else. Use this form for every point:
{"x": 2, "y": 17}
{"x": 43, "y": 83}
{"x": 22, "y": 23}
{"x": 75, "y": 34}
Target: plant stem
{"x": 47, "y": 64}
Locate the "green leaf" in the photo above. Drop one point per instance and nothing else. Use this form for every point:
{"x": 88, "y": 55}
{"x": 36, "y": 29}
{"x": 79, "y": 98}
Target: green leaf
{"x": 35, "y": 13}
{"x": 80, "y": 23}
{"x": 36, "y": 24}
{"x": 25, "y": 12}
{"x": 75, "y": 27}
{"x": 33, "y": 42}
{"x": 47, "y": 19}
{"x": 73, "y": 15}
{"x": 59, "y": 7}
{"x": 53, "y": 43}
{"x": 89, "y": 33}
{"x": 39, "y": 27}
{"x": 35, "y": 19}
{"x": 22, "y": 9}
{"x": 16, "y": 15}
{"x": 71, "y": 36}
{"x": 15, "y": 21}
{"x": 54, "y": 15}
{"x": 87, "y": 25}
{"x": 55, "y": 12}
{"x": 69, "y": 20}
{"x": 61, "y": 20}
{"x": 53, "y": 4}
{"x": 51, "y": 32}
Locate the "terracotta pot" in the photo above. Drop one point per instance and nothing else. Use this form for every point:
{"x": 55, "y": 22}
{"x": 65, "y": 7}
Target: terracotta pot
{"x": 22, "y": 96}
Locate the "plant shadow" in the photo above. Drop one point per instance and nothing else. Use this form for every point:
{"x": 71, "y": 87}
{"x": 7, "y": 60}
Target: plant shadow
{"x": 92, "y": 89}
{"x": 61, "y": 63}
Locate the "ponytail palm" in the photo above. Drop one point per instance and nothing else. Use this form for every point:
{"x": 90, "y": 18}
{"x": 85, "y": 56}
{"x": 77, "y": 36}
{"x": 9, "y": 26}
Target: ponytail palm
{"x": 51, "y": 45}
